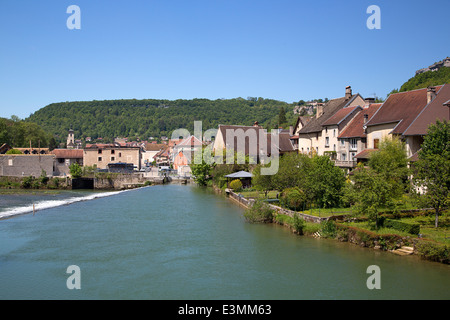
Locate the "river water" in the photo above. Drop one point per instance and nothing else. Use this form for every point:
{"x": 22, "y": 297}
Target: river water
{"x": 182, "y": 242}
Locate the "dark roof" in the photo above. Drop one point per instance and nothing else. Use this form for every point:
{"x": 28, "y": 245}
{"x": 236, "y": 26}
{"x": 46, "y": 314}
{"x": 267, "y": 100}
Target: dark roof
{"x": 433, "y": 111}
{"x": 329, "y": 109}
{"x": 284, "y": 144}
{"x": 240, "y": 174}
{"x": 249, "y": 131}
{"x": 401, "y": 108}
{"x": 355, "y": 128}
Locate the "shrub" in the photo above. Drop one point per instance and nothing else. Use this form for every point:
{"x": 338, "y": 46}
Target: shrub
{"x": 236, "y": 185}
{"x": 434, "y": 251}
{"x": 299, "y": 224}
{"x": 14, "y": 151}
{"x": 328, "y": 228}
{"x": 27, "y": 182}
{"x": 293, "y": 198}
{"x": 259, "y": 212}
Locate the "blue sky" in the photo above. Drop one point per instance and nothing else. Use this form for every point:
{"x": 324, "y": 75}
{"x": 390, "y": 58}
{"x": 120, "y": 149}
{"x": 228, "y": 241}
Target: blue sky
{"x": 168, "y": 49}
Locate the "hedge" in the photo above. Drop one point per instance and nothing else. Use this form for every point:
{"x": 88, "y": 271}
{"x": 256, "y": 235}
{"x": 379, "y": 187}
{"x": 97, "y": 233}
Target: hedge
{"x": 412, "y": 228}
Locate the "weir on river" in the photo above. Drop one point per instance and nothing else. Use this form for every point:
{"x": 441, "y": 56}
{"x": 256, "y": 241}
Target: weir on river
{"x": 185, "y": 242}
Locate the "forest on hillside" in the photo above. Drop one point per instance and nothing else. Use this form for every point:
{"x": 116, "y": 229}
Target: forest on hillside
{"x": 426, "y": 79}
{"x": 141, "y": 119}
{"x": 21, "y": 134}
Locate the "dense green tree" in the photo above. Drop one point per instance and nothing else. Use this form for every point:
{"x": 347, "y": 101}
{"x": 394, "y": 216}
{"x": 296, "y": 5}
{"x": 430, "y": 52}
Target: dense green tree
{"x": 380, "y": 184}
{"x": 325, "y": 182}
{"x": 431, "y": 173}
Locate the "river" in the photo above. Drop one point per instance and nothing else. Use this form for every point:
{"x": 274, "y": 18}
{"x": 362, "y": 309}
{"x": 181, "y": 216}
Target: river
{"x": 182, "y": 242}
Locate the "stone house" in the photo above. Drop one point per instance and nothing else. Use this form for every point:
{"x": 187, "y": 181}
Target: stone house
{"x": 64, "y": 158}
{"x": 101, "y": 155}
{"x": 320, "y": 134}
{"x": 353, "y": 138}
{"x": 21, "y": 165}
{"x": 406, "y": 115}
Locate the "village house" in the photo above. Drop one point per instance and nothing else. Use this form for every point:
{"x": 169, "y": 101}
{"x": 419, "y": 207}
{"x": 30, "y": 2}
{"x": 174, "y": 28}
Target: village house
{"x": 320, "y": 134}
{"x": 407, "y": 115}
{"x": 252, "y": 141}
{"x": 101, "y": 155}
{"x": 24, "y": 165}
{"x": 64, "y": 158}
{"x": 149, "y": 151}
{"x": 184, "y": 152}
{"x": 353, "y": 139}
{"x": 437, "y": 108}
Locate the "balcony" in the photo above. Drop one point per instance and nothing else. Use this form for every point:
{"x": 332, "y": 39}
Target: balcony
{"x": 345, "y": 163}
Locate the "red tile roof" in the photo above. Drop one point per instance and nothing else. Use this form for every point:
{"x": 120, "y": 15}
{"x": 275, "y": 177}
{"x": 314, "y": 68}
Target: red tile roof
{"x": 402, "y": 107}
{"x": 339, "y": 116}
{"x": 68, "y": 153}
{"x": 355, "y": 128}
{"x": 433, "y": 111}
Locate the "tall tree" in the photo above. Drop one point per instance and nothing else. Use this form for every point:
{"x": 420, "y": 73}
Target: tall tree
{"x": 432, "y": 171}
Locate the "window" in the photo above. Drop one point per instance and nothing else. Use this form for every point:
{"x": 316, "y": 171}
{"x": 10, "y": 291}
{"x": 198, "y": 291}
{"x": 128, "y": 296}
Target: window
{"x": 375, "y": 143}
{"x": 334, "y": 132}
{"x": 113, "y": 151}
{"x": 334, "y": 147}
{"x": 99, "y": 159}
{"x": 353, "y": 144}
{"x": 327, "y": 141}
{"x": 120, "y": 154}
{"x": 342, "y": 143}
{"x": 344, "y": 157}
{"x": 99, "y": 151}
{"x": 113, "y": 158}
{"x": 10, "y": 162}
{"x": 352, "y": 156}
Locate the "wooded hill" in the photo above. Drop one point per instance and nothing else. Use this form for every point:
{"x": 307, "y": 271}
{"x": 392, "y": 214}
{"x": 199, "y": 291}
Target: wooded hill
{"x": 155, "y": 118}
{"x": 426, "y": 79}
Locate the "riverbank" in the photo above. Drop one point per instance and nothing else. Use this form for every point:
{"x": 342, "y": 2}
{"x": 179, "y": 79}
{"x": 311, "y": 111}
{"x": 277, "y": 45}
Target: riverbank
{"x": 341, "y": 229}
{"x": 98, "y": 181}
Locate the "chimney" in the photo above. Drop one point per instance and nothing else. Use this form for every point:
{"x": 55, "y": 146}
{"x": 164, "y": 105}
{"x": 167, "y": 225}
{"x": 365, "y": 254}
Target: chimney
{"x": 319, "y": 110}
{"x": 431, "y": 94}
{"x": 348, "y": 92}
{"x": 369, "y": 101}
{"x": 291, "y": 130}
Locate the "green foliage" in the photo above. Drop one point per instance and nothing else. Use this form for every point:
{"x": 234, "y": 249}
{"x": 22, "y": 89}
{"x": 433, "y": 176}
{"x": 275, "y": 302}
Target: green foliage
{"x": 293, "y": 198}
{"x": 201, "y": 171}
{"x": 27, "y": 182}
{"x": 75, "y": 170}
{"x": 262, "y": 182}
{"x": 20, "y": 134}
{"x": 259, "y": 212}
{"x": 434, "y": 251}
{"x": 432, "y": 171}
{"x": 14, "y": 151}
{"x": 325, "y": 182}
{"x": 382, "y": 183}
{"x": 328, "y": 228}
{"x": 413, "y": 228}
{"x": 236, "y": 185}
{"x": 299, "y": 224}
{"x": 426, "y": 79}
{"x": 152, "y": 117}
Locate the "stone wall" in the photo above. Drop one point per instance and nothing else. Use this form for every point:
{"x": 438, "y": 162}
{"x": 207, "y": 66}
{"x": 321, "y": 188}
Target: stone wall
{"x": 249, "y": 202}
{"x": 26, "y": 165}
